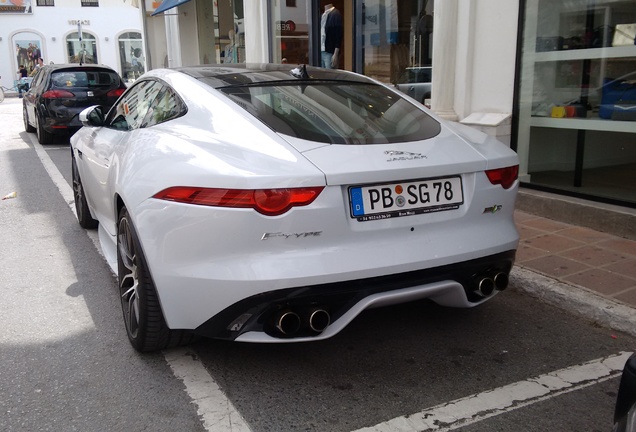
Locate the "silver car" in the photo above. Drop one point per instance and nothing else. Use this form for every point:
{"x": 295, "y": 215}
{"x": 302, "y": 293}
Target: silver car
{"x": 416, "y": 82}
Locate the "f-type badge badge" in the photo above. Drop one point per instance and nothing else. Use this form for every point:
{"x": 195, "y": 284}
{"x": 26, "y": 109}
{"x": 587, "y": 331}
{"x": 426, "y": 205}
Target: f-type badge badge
{"x": 395, "y": 155}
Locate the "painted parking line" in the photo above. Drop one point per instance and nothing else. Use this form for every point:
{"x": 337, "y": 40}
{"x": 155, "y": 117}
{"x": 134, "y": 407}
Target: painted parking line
{"x": 475, "y": 408}
{"x": 215, "y": 409}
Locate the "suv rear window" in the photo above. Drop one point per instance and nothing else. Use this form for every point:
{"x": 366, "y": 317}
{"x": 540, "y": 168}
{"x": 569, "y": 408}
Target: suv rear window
{"x": 88, "y": 78}
{"x": 335, "y": 112}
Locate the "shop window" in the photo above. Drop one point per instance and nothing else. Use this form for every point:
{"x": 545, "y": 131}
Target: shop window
{"x": 45, "y": 2}
{"x": 81, "y": 49}
{"x": 131, "y": 56}
{"x": 221, "y": 32}
{"x": 28, "y": 48}
{"x": 290, "y": 35}
{"x": 577, "y": 119}
{"x": 397, "y": 39}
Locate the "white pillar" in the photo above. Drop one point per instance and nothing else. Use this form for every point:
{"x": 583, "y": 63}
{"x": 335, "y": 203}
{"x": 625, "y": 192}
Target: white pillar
{"x": 172, "y": 37}
{"x": 444, "y": 52}
{"x": 256, "y": 36}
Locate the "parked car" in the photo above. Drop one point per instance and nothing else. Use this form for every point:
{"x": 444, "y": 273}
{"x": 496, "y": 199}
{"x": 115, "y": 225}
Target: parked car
{"x": 625, "y": 411}
{"x": 416, "y": 82}
{"x": 261, "y": 204}
{"x": 58, "y": 93}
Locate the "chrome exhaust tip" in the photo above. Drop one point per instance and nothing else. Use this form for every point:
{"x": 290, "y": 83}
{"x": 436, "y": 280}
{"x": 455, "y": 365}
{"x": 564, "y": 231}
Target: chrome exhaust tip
{"x": 486, "y": 286}
{"x": 319, "y": 320}
{"x": 501, "y": 281}
{"x": 287, "y": 322}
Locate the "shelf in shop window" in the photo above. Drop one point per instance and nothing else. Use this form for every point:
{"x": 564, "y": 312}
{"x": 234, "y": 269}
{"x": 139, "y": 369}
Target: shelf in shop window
{"x": 589, "y": 53}
{"x": 592, "y": 123}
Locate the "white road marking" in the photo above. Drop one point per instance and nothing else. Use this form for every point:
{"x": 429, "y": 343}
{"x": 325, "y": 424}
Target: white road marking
{"x": 472, "y": 409}
{"x": 215, "y": 409}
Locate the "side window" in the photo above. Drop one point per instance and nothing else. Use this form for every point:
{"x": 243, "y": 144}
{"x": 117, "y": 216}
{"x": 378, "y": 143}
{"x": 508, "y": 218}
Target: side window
{"x": 37, "y": 79}
{"x": 166, "y": 106}
{"x": 130, "y": 111}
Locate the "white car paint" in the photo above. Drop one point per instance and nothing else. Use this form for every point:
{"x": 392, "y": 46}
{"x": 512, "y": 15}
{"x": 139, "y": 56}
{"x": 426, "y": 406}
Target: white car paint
{"x": 206, "y": 259}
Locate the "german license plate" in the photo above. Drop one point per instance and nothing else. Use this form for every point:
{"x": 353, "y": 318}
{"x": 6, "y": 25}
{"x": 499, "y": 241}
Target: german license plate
{"x": 405, "y": 199}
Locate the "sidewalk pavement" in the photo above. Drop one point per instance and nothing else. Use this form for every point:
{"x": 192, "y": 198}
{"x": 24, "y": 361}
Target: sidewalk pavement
{"x": 576, "y": 268}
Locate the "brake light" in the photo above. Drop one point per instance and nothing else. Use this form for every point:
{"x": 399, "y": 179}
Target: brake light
{"x": 57, "y": 94}
{"x": 503, "y": 176}
{"x": 269, "y": 202}
{"x": 116, "y": 92}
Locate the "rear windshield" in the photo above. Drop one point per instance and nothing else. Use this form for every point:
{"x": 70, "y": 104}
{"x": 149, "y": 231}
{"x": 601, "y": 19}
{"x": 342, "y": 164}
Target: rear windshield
{"x": 336, "y": 112}
{"x": 87, "y": 78}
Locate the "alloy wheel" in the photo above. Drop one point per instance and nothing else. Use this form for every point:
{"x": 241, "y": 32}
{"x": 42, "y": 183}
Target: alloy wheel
{"x": 128, "y": 277}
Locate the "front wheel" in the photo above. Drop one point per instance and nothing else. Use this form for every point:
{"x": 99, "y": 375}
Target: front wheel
{"x": 145, "y": 324}
{"x": 1, "y": 94}
{"x": 81, "y": 205}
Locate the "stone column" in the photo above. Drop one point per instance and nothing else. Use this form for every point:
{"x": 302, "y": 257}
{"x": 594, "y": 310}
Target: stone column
{"x": 444, "y": 54}
{"x": 173, "y": 38}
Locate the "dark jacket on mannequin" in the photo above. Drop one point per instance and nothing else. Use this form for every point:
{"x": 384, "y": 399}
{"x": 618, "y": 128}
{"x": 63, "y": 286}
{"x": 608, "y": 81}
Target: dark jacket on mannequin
{"x": 333, "y": 31}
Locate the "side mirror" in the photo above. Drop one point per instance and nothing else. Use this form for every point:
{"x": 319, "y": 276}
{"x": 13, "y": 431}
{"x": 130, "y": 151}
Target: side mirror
{"x": 92, "y": 116}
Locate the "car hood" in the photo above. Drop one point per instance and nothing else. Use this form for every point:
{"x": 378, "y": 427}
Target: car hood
{"x": 445, "y": 154}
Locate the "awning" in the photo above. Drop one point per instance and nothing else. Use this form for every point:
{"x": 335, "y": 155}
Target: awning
{"x": 168, "y": 4}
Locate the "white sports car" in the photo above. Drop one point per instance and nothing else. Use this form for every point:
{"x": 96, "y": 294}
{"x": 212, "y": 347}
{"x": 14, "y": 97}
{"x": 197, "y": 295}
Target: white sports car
{"x": 262, "y": 203}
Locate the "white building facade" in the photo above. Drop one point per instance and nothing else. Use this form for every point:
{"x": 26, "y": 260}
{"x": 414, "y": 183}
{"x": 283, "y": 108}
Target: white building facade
{"x": 107, "y": 32}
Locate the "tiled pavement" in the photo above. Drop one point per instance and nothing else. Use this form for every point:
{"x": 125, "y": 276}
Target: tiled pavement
{"x": 581, "y": 257}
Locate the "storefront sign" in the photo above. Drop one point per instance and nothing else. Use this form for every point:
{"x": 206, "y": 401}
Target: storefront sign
{"x": 15, "y": 6}
{"x": 82, "y": 22}
{"x": 286, "y": 26}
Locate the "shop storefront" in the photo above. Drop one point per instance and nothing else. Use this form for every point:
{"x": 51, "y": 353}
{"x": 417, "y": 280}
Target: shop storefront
{"x": 577, "y": 98}
{"x": 390, "y": 40}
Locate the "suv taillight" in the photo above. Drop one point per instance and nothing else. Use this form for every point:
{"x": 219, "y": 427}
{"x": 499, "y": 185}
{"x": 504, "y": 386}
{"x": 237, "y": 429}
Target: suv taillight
{"x": 57, "y": 94}
{"x": 115, "y": 93}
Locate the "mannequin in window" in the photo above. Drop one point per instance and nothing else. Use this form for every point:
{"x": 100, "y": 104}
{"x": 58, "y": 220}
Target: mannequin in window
{"x": 230, "y": 54}
{"x": 330, "y": 36}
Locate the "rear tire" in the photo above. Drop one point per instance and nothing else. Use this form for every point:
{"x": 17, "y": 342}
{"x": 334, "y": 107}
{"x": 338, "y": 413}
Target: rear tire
{"x": 44, "y": 137}
{"x": 81, "y": 205}
{"x": 145, "y": 324}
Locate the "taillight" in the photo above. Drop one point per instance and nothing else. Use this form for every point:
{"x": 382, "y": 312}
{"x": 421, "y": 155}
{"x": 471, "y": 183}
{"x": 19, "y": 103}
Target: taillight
{"x": 503, "y": 176}
{"x": 116, "y": 92}
{"x": 57, "y": 94}
{"x": 270, "y": 202}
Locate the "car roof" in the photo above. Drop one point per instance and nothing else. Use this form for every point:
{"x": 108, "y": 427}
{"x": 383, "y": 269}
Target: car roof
{"x": 252, "y": 73}
{"x": 76, "y": 66}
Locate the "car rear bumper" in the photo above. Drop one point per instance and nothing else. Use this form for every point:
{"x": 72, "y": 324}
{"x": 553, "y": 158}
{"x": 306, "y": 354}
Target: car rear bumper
{"x": 257, "y": 318}
{"x": 205, "y": 260}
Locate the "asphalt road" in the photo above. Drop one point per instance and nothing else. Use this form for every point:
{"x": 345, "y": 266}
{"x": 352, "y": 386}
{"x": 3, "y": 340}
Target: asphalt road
{"x": 66, "y": 364}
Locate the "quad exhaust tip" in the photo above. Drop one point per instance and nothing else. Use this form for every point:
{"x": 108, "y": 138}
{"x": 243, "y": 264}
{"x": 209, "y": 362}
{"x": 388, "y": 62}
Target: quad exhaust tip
{"x": 289, "y": 322}
{"x": 486, "y": 285}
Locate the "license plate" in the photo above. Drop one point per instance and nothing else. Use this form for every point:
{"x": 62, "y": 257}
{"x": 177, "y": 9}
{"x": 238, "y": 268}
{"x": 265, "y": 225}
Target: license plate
{"x": 405, "y": 199}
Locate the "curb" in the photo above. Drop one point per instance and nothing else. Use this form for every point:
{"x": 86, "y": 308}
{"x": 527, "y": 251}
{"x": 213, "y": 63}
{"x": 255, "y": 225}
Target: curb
{"x": 575, "y": 299}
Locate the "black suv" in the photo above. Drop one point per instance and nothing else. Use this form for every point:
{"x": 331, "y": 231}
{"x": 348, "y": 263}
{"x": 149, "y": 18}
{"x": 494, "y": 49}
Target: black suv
{"x": 58, "y": 93}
